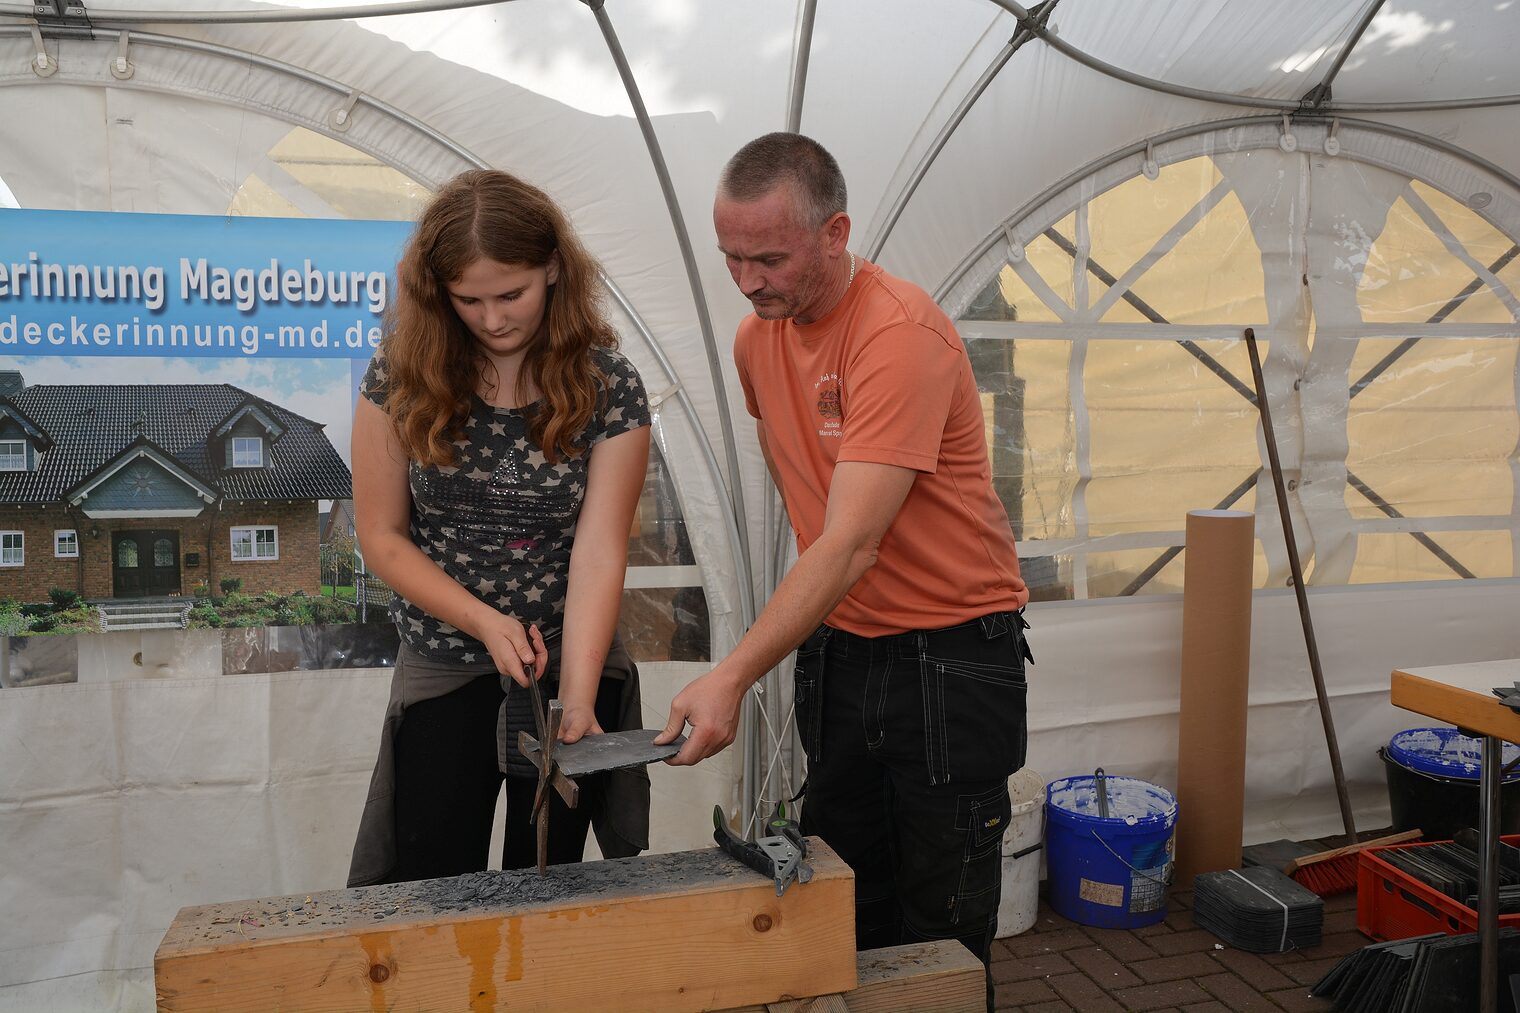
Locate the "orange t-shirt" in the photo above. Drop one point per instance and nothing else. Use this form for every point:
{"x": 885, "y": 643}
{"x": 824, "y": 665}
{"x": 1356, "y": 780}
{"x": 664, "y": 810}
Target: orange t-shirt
{"x": 884, "y": 378}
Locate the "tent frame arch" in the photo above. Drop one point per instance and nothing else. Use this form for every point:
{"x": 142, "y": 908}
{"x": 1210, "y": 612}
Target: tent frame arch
{"x": 1035, "y": 218}
{"x": 1028, "y": 19}
{"x": 446, "y": 151}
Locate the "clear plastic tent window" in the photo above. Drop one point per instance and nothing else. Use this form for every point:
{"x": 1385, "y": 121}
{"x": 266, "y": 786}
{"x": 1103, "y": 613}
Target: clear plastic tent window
{"x": 1114, "y": 409}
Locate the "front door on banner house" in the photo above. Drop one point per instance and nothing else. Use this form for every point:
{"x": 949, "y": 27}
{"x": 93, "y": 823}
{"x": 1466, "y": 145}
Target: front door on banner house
{"x": 144, "y": 563}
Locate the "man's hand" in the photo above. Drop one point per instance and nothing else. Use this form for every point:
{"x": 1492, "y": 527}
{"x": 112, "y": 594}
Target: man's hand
{"x": 710, "y": 704}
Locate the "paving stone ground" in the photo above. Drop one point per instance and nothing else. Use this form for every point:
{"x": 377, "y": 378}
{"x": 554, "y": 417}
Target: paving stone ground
{"x": 1058, "y": 965}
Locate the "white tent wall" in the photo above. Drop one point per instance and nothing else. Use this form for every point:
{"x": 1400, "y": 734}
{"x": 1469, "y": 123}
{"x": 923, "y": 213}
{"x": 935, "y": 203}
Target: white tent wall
{"x": 117, "y": 826}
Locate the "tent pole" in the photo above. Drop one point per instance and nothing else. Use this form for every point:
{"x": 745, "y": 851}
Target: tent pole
{"x": 354, "y": 13}
{"x": 802, "y": 52}
{"x": 1321, "y": 91}
{"x": 1000, "y": 232}
{"x": 748, "y": 717}
{"x": 1326, "y": 718}
{"x": 266, "y": 15}
{"x": 699, "y": 296}
{"x": 1023, "y": 35}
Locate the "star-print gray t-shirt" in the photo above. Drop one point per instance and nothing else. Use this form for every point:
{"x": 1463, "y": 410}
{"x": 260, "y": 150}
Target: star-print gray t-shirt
{"x": 501, "y": 520}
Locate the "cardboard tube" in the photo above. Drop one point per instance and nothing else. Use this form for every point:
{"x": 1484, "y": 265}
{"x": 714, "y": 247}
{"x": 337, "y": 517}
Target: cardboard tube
{"x": 1216, "y": 660}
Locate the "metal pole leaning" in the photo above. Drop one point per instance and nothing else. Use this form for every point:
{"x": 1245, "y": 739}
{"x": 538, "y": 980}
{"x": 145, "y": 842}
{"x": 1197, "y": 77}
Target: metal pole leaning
{"x": 1344, "y": 797}
{"x": 1490, "y": 778}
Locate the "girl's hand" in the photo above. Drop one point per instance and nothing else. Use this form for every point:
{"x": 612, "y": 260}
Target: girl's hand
{"x": 579, "y": 720}
{"x": 518, "y": 653}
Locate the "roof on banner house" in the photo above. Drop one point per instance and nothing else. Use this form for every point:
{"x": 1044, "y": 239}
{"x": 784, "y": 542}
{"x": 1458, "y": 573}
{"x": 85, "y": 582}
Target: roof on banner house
{"x": 91, "y": 429}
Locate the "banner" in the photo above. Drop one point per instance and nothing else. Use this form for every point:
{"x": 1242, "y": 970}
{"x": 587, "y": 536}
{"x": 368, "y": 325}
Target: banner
{"x": 176, "y": 402}
{"x": 101, "y": 283}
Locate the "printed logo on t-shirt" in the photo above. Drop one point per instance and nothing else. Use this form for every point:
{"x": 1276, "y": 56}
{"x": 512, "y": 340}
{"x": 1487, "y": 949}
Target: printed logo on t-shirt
{"x": 830, "y": 413}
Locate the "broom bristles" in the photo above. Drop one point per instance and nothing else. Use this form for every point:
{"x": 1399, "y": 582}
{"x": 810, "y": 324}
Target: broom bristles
{"x": 1331, "y": 872}
{"x": 1328, "y": 878}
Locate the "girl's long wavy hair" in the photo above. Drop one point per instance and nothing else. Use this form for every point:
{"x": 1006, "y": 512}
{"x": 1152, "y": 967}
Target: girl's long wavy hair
{"x": 433, "y": 363}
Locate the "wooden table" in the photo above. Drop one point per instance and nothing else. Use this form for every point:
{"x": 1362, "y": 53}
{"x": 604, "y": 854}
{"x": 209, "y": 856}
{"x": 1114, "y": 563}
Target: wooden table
{"x": 1462, "y": 695}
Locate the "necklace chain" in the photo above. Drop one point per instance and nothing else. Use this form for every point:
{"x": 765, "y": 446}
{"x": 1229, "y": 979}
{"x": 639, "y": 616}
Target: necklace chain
{"x": 851, "y": 280}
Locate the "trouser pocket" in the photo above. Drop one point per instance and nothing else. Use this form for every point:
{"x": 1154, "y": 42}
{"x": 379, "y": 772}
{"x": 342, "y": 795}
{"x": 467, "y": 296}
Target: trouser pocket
{"x": 982, "y": 818}
{"x": 975, "y": 699}
{"x": 807, "y": 691}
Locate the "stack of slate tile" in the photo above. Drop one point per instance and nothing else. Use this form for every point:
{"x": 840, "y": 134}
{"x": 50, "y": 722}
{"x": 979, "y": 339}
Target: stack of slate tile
{"x": 1426, "y": 974}
{"x": 1258, "y": 909}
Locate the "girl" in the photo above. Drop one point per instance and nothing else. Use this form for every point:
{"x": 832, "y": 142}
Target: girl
{"x": 499, "y": 450}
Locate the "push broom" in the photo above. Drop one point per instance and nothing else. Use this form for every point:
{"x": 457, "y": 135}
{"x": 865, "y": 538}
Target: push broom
{"x": 1328, "y": 872}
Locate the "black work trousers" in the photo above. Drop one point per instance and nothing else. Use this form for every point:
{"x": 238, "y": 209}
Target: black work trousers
{"x": 447, "y": 783}
{"x": 910, "y": 740}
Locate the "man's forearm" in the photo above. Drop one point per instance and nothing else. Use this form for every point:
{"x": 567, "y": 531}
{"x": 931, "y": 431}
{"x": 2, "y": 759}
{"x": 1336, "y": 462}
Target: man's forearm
{"x": 819, "y": 580}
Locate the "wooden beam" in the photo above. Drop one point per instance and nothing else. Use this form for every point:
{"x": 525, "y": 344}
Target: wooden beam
{"x": 689, "y": 931}
{"x": 938, "y": 977}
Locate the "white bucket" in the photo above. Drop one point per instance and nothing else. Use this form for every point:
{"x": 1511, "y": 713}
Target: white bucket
{"x": 1022, "y": 852}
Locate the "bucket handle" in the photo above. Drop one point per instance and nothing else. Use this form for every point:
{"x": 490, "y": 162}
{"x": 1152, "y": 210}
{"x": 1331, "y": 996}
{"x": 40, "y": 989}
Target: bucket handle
{"x": 1139, "y": 872}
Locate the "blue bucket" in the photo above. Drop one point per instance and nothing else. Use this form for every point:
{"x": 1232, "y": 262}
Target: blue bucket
{"x": 1109, "y": 872}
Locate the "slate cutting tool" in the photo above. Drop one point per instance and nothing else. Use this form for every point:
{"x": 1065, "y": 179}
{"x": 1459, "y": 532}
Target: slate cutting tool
{"x": 782, "y": 855}
{"x": 559, "y": 764}
{"x": 548, "y": 767}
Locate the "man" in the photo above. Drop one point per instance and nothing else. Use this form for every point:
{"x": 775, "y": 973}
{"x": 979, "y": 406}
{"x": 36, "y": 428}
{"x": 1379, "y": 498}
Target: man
{"x": 910, "y": 694}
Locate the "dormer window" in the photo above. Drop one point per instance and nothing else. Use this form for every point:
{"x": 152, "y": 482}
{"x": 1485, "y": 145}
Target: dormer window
{"x": 12, "y": 455}
{"x": 247, "y": 452}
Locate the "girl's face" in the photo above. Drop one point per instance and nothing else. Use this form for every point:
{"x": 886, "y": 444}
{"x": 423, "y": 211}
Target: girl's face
{"x": 503, "y": 305}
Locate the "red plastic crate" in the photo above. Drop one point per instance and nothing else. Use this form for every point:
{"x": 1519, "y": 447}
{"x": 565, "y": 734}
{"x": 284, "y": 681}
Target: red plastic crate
{"x": 1390, "y": 904}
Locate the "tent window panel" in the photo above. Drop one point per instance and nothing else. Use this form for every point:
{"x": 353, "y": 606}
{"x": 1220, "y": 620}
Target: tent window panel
{"x": 1127, "y": 220}
{"x": 1043, "y": 504}
{"x": 1436, "y": 374}
{"x": 1026, "y": 407}
{"x": 663, "y": 623}
{"x": 1410, "y": 276}
{"x": 317, "y": 171}
{"x": 1167, "y": 434}
{"x": 666, "y": 624}
{"x": 1159, "y": 499}
{"x": 1387, "y": 557}
{"x": 1205, "y": 266}
{"x": 1165, "y": 379}
{"x": 1110, "y": 574}
{"x": 1123, "y": 311}
{"x": 1475, "y": 434}
{"x": 1433, "y": 488}
{"x": 1509, "y": 274}
{"x": 658, "y": 536}
{"x": 1008, "y": 297}
{"x": 1052, "y": 262}
{"x": 1213, "y": 275}
{"x": 1433, "y": 434}
{"x": 1048, "y": 576}
{"x": 1476, "y": 234}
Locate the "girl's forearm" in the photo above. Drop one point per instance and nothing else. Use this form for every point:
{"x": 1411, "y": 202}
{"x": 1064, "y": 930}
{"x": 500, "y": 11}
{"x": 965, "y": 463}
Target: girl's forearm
{"x": 591, "y": 614}
{"x": 395, "y": 559}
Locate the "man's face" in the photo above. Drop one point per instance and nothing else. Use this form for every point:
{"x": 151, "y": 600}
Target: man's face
{"x": 777, "y": 262}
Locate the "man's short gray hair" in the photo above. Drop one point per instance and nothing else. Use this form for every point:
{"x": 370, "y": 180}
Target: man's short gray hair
{"x": 766, "y": 162}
